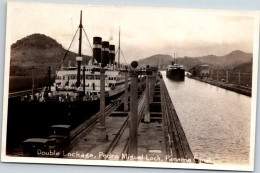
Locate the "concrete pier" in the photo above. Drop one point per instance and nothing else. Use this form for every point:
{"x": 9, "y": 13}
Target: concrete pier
{"x": 228, "y": 86}
{"x": 177, "y": 145}
{"x": 151, "y": 135}
{"x": 130, "y": 136}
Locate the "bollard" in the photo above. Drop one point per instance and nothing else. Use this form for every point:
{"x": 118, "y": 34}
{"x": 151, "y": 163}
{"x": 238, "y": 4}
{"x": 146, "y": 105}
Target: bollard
{"x": 133, "y": 124}
{"x": 103, "y": 136}
{"x": 126, "y": 92}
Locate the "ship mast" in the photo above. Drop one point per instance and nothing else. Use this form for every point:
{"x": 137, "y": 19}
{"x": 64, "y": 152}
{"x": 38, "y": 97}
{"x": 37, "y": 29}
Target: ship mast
{"x": 80, "y": 33}
{"x": 119, "y": 51}
{"x": 173, "y": 59}
{"x": 79, "y": 58}
{"x": 176, "y": 61}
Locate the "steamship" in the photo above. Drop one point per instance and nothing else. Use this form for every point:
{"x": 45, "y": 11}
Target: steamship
{"x": 175, "y": 72}
{"x": 73, "y": 97}
{"x": 82, "y": 82}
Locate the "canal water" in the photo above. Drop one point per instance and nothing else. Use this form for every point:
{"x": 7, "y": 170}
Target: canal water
{"x": 216, "y": 121}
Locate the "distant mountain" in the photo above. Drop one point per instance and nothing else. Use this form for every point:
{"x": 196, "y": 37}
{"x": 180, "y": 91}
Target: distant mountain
{"x": 39, "y": 51}
{"x": 156, "y": 60}
{"x": 231, "y": 60}
{"x": 189, "y": 62}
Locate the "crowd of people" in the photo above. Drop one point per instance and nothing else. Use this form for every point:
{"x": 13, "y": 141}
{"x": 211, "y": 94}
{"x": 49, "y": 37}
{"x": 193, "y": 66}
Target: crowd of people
{"x": 47, "y": 96}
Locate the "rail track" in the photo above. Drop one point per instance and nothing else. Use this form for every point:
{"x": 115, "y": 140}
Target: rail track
{"x": 177, "y": 146}
{"x": 115, "y": 142}
{"x": 89, "y": 124}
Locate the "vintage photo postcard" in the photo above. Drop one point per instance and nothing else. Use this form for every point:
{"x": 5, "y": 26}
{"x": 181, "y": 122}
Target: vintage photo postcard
{"x": 130, "y": 86}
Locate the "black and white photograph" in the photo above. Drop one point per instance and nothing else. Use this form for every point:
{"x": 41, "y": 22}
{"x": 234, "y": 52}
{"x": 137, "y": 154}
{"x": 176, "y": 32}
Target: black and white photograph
{"x": 130, "y": 86}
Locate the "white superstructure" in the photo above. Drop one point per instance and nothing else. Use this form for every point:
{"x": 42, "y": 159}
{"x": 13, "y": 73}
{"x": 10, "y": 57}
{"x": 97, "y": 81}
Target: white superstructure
{"x": 66, "y": 79}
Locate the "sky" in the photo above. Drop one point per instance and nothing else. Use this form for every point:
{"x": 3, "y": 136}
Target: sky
{"x": 145, "y": 31}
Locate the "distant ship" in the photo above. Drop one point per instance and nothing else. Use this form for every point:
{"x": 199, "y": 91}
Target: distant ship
{"x": 175, "y": 72}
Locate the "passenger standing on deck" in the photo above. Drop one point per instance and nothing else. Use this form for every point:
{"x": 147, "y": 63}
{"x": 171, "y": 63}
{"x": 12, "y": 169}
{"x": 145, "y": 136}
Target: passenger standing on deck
{"x": 42, "y": 93}
{"x": 87, "y": 96}
{"x": 37, "y": 96}
{"x": 49, "y": 94}
{"x": 41, "y": 99}
{"x": 31, "y": 97}
{"x": 67, "y": 97}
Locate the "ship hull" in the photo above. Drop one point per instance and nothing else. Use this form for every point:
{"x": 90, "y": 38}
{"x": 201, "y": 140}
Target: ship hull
{"x": 176, "y": 74}
{"x": 34, "y": 119}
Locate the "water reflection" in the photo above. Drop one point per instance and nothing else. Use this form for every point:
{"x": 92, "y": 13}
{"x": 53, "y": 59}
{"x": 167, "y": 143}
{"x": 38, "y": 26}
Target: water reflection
{"x": 216, "y": 121}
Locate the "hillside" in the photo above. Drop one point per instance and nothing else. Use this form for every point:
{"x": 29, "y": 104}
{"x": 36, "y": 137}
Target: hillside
{"x": 39, "y": 51}
{"x": 231, "y": 61}
{"x": 156, "y": 60}
{"x": 245, "y": 67}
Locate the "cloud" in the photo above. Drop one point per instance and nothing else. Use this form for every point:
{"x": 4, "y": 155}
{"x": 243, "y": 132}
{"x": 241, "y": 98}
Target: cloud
{"x": 144, "y": 31}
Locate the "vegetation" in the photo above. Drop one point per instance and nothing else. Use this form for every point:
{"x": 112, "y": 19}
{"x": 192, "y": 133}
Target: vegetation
{"x": 234, "y": 60}
{"x": 36, "y": 51}
{"x": 20, "y": 83}
{"x": 39, "y": 51}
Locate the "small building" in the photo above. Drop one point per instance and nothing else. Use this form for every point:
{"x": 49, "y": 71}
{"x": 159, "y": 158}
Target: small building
{"x": 200, "y": 71}
{"x": 204, "y": 70}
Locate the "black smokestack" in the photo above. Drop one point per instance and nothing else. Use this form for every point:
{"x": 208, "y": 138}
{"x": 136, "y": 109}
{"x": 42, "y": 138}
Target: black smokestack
{"x": 105, "y": 53}
{"x": 97, "y": 45}
{"x": 111, "y": 54}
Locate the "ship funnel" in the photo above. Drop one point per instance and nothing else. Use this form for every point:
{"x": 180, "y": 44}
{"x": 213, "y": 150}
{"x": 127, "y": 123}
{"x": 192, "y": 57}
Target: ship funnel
{"x": 111, "y": 54}
{"x": 97, "y": 45}
{"x": 105, "y": 53}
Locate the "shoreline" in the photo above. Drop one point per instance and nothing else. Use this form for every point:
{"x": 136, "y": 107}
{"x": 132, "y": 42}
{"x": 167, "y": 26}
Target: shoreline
{"x": 228, "y": 86}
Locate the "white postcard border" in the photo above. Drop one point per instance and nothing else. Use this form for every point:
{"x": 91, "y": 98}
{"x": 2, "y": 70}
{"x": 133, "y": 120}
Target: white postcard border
{"x": 249, "y": 167}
